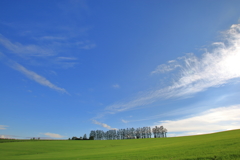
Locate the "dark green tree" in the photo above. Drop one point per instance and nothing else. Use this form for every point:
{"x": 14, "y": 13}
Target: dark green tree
{"x": 91, "y": 138}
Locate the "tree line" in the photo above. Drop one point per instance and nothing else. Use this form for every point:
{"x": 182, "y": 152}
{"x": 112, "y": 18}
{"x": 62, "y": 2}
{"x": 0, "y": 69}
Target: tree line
{"x": 128, "y": 133}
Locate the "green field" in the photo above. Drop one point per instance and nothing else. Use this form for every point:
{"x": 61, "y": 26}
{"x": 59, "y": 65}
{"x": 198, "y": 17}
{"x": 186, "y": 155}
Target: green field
{"x": 222, "y": 145}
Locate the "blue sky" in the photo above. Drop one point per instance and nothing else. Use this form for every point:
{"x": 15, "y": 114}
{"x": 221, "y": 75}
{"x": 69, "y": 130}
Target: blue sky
{"x": 69, "y": 67}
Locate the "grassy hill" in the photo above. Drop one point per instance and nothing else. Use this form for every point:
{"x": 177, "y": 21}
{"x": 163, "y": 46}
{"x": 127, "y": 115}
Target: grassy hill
{"x": 219, "y": 146}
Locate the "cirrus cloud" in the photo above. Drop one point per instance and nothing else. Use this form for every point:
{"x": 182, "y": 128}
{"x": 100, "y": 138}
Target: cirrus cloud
{"x": 37, "y": 78}
{"x": 25, "y": 50}
{"x": 195, "y": 74}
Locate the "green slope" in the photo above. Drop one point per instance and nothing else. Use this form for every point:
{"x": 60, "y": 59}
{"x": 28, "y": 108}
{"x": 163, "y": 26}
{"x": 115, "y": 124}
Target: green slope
{"x": 222, "y": 145}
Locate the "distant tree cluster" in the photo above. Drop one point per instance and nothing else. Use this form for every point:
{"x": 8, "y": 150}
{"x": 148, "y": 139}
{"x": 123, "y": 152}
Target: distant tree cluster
{"x": 81, "y": 138}
{"x": 35, "y": 138}
{"x": 129, "y": 133}
{"x": 159, "y": 132}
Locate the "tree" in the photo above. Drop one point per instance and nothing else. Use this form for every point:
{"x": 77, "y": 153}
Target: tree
{"x": 74, "y": 138}
{"x": 84, "y": 137}
{"x": 129, "y": 133}
{"x": 91, "y": 138}
{"x": 92, "y": 134}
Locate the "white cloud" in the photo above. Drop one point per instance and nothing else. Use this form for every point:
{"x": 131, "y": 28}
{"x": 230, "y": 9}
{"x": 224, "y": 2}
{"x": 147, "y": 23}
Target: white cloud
{"x": 195, "y": 74}
{"x": 37, "y": 78}
{"x": 2, "y": 127}
{"x": 177, "y": 134}
{"x": 6, "y": 136}
{"x": 124, "y": 121}
{"x": 218, "y": 119}
{"x": 18, "y": 48}
{"x": 10, "y": 136}
{"x": 2, "y": 136}
{"x": 53, "y": 135}
{"x": 116, "y": 86}
{"x": 103, "y": 125}
{"x": 166, "y": 68}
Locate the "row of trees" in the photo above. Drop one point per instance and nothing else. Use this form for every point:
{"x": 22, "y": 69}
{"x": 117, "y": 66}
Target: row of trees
{"x": 159, "y": 132}
{"x": 35, "y": 138}
{"x": 129, "y": 133}
{"x": 80, "y": 138}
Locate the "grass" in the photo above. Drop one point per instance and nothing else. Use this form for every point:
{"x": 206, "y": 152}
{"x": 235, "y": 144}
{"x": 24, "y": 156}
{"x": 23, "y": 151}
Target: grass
{"x": 217, "y": 146}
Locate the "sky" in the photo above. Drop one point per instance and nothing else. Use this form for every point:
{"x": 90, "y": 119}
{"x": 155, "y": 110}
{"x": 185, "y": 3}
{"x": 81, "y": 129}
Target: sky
{"x": 71, "y": 66}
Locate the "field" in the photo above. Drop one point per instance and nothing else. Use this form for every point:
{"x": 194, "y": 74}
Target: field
{"x": 216, "y": 146}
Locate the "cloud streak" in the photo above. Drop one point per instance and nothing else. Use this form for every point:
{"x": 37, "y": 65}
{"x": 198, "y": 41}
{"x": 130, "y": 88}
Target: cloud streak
{"x": 103, "y": 125}
{"x": 53, "y": 135}
{"x": 124, "y": 121}
{"x": 218, "y": 119}
{"x": 35, "y": 77}
{"x": 213, "y": 69}
{"x": 30, "y": 50}
{"x": 3, "y": 127}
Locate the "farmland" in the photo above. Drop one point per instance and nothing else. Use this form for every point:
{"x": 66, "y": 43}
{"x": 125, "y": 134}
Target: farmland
{"x": 222, "y": 145}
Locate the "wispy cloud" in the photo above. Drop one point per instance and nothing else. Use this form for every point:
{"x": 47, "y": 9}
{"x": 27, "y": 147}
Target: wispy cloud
{"x": 53, "y": 135}
{"x": 66, "y": 62}
{"x": 218, "y": 119}
{"x": 166, "y": 67}
{"x": 47, "y": 50}
{"x": 103, "y": 125}
{"x": 116, "y": 86}
{"x": 213, "y": 69}
{"x": 85, "y": 45}
{"x": 2, "y": 127}
{"x": 50, "y": 38}
{"x": 51, "y": 48}
{"x": 22, "y": 50}
{"x": 124, "y": 121}
{"x": 34, "y": 76}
